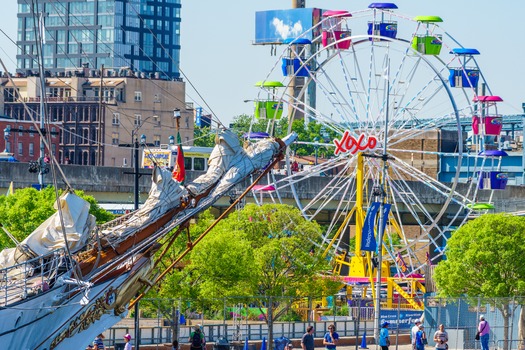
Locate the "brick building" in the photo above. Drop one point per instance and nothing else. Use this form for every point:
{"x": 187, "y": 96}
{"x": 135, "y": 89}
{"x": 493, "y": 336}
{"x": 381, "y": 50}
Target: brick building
{"x": 95, "y": 112}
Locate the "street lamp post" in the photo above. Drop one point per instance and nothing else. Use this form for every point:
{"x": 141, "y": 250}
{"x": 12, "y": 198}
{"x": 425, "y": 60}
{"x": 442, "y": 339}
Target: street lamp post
{"x": 316, "y": 148}
{"x": 7, "y": 134}
{"x": 136, "y": 146}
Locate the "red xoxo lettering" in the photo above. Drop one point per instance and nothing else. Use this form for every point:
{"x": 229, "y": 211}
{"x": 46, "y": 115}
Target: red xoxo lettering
{"x": 348, "y": 143}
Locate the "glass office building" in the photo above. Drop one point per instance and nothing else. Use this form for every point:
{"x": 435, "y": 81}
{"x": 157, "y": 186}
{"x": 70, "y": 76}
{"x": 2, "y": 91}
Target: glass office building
{"x": 143, "y": 35}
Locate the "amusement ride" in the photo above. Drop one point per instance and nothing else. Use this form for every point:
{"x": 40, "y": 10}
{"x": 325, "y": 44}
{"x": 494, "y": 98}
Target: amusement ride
{"x": 389, "y": 91}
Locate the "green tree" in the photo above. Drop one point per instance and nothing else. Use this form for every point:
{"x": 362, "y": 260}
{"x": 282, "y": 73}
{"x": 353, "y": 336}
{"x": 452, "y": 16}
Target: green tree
{"x": 244, "y": 123}
{"x": 265, "y": 251}
{"x": 22, "y": 212}
{"x": 204, "y": 137}
{"x": 485, "y": 260}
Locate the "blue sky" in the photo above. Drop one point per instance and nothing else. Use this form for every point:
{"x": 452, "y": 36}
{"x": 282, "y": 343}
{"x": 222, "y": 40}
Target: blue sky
{"x": 219, "y": 60}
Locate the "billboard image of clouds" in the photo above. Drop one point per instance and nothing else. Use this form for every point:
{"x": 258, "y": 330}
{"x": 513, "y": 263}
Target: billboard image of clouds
{"x": 275, "y": 26}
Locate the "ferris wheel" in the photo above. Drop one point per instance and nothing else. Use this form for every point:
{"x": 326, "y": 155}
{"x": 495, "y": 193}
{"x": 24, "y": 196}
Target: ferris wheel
{"x": 391, "y": 96}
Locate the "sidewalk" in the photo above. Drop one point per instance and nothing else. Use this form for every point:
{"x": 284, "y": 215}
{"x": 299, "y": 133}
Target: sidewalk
{"x": 347, "y": 343}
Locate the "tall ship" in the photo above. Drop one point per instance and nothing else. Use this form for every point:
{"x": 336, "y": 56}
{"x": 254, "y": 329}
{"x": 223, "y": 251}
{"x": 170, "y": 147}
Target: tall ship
{"x": 70, "y": 279}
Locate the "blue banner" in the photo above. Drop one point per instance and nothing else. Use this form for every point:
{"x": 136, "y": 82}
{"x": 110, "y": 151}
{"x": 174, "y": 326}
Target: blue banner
{"x": 368, "y": 241}
{"x": 198, "y": 116}
{"x": 402, "y": 319}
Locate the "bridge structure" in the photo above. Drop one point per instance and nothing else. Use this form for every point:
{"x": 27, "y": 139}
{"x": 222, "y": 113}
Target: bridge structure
{"x": 116, "y": 185}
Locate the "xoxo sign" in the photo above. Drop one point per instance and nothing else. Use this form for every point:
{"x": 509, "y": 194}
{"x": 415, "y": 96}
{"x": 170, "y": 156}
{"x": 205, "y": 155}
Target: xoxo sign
{"x": 348, "y": 143}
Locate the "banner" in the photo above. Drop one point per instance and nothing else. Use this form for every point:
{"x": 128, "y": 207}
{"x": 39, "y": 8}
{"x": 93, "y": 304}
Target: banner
{"x": 400, "y": 319}
{"x": 368, "y": 241}
{"x": 198, "y": 116}
{"x": 386, "y": 211}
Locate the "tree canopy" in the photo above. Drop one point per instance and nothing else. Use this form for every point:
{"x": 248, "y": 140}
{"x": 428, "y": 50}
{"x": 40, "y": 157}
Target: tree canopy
{"x": 24, "y": 210}
{"x": 485, "y": 262}
{"x": 485, "y": 259}
{"x": 258, "y": 251}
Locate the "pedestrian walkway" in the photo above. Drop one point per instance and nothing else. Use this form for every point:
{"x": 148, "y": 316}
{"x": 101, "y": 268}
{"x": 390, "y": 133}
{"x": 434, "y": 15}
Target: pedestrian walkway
{"x": 374, "y": 347}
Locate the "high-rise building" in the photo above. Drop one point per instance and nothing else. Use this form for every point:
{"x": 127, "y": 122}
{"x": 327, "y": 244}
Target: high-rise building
{"x": 143, "y": 35}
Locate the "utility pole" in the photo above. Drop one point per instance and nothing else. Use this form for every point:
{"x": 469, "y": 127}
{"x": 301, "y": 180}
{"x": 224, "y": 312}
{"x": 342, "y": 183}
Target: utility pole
{"x": 293, "y": 80}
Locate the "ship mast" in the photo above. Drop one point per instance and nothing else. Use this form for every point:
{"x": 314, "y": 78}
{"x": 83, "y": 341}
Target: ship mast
{"x": 40, "y": 37}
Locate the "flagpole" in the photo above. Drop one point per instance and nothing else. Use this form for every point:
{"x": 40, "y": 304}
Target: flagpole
{"x": 382, "y": 216}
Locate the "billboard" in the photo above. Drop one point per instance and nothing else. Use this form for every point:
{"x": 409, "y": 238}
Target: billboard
{"x": 275, "y": 26}
{"x": 161, "y": 157}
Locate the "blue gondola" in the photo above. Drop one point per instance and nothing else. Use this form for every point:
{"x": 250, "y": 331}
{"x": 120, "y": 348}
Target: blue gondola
{"x": 293, "y": 65}
{"x": 464, "y": 76}
{"x": 383, "y": 27}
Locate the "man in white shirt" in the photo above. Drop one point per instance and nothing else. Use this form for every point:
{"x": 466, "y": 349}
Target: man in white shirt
{"x": 413, "y": 332}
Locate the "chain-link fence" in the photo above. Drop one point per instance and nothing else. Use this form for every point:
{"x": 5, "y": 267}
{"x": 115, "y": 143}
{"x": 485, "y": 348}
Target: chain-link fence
{"x": 461, "y": 316}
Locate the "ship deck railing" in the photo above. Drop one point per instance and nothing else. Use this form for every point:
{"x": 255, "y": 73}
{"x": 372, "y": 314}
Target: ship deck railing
{"x": 29, "y": 278}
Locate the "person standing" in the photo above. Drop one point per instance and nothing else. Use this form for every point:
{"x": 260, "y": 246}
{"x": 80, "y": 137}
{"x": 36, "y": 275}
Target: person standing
{"x": 421, "y": 338}
{"x": 331, "y": 338}
{"x": 441, "y": 338}
{"x": 483, "y": 329}
{"x": 307, "y": 341}
{"x": 127, "y": 340}
{"x": 384, "y": 339}
{"x": 413, "y": 333}
{"x": 196, "y": 338}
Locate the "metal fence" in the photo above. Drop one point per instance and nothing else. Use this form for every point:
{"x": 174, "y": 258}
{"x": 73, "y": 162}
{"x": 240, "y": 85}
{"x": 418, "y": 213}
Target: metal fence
{"x": 460, "y": 316}
{"x": 239, "y": 319}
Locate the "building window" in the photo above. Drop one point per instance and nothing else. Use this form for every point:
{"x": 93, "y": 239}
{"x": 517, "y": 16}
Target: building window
{"x": 20, "y": 148}
{"x": 114, "y": 138}
{"x": 116, "y": 119}
{"x": 31, "y": 149}
{"x": 31, "y": 131}
{"x": 138, "y": 120}
{"x": 54, "y": 132}
{"x": 85, "y": 136}
{"x": 156, "y": 140}
{"x": 20, "y": 130}
{"x": 138, "y": 96}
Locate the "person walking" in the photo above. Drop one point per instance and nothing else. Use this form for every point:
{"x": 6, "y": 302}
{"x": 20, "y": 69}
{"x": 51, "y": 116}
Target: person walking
{"x": 413, "y": 333}
{"x": 196, "y": 339}
{"x": 331, "y": 338}
{"x": 441, "y": 338}
{"x": 307, "y": 341}
{"x": 483, "y": 329}
{"x": 384, "y": 338}
{"x": 127, "y": 340}
{"x": 421, "y": 338}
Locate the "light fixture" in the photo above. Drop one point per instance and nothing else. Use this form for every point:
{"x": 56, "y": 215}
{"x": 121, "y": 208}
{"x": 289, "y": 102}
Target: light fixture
{"x": 176, "y": 113}
{"x": 142, "y": 139}
{"x": 172, "y": 140}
